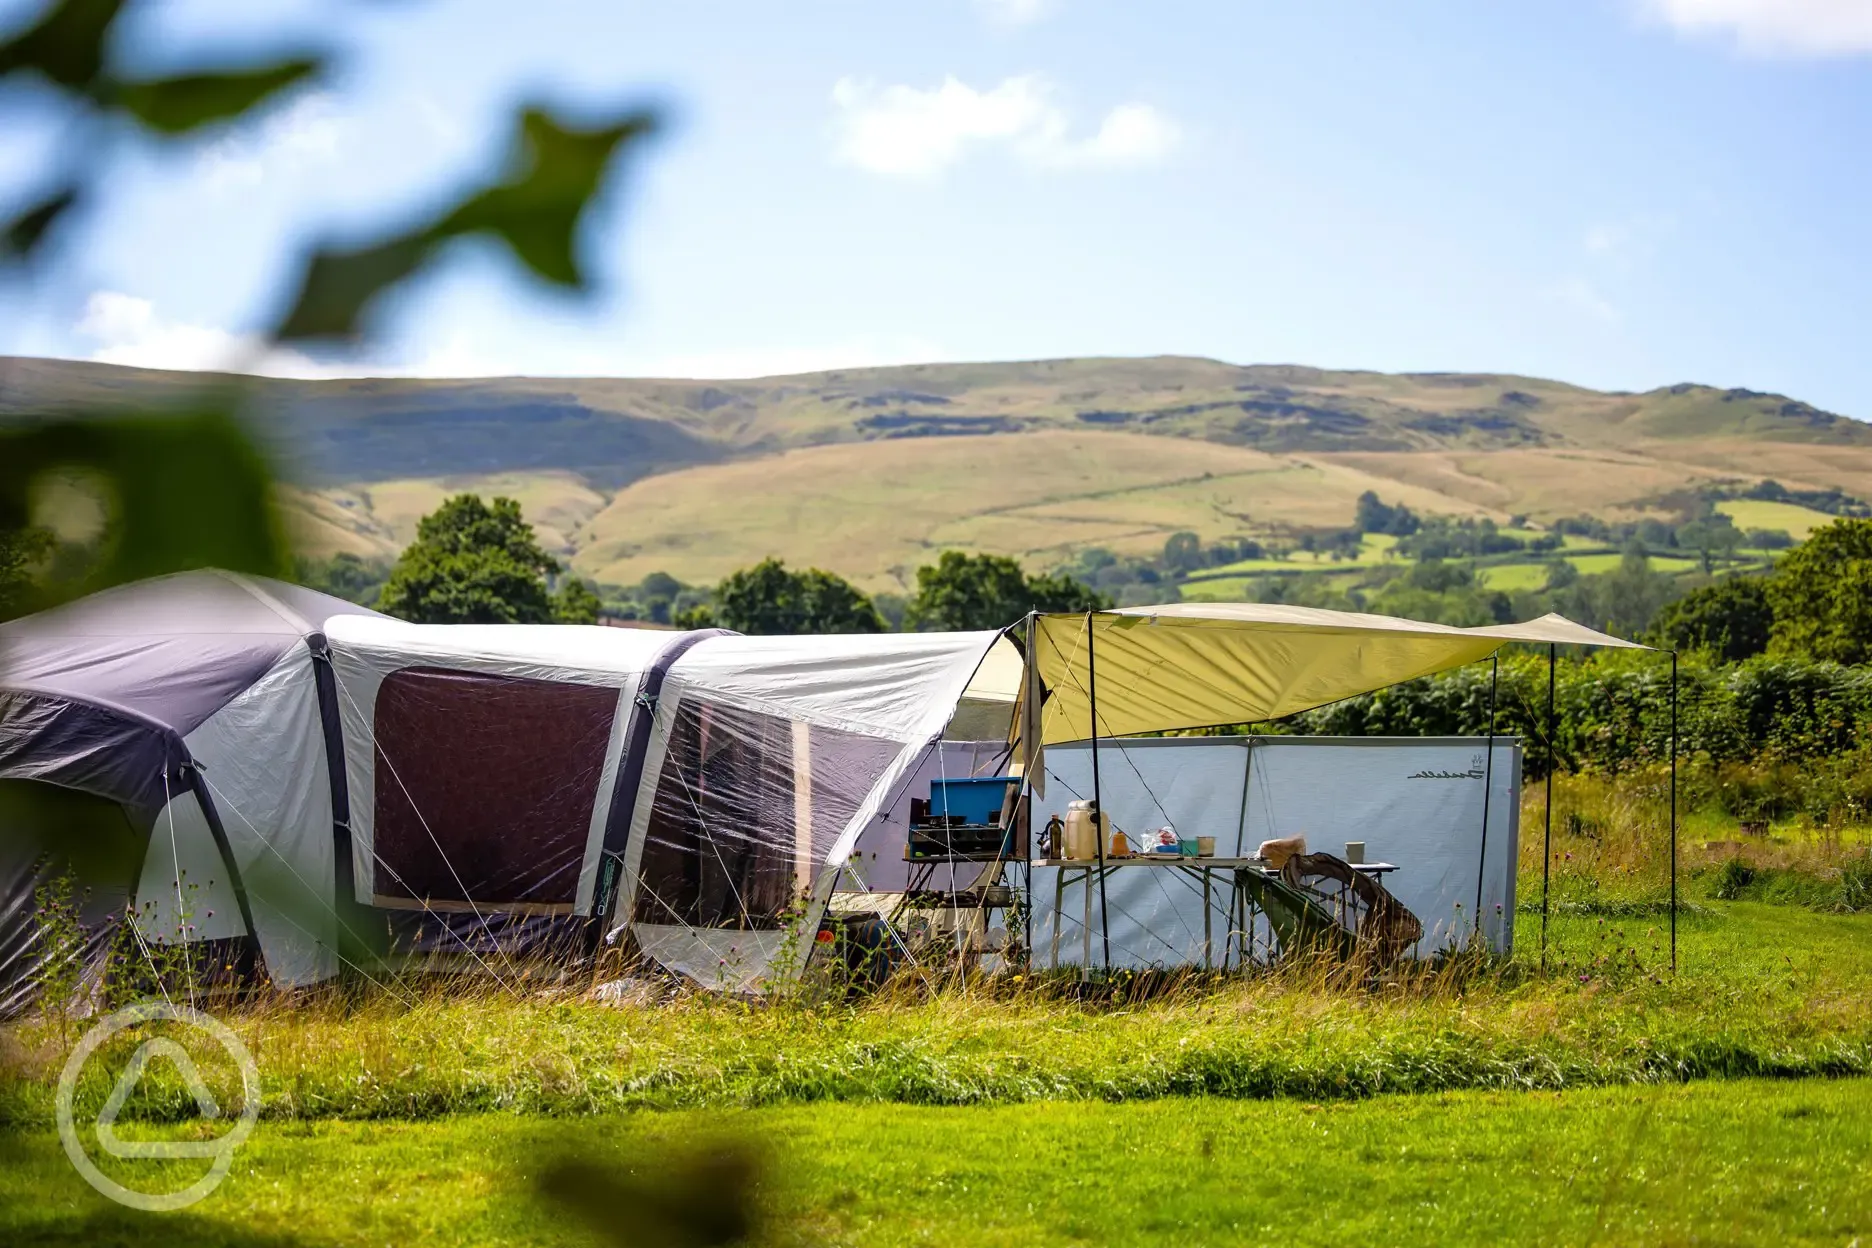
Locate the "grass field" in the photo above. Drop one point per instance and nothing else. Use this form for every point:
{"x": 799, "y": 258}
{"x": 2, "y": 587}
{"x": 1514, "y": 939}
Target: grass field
{"x": 1797, "y": 522}
{"x": 1593, "y": 1097}
{"x": 1763, "y": 989}
{"x": 875, "y": 511}
{"x": 1722, "y": 1163}
{"x": 1604, "y": 1100}
{"x": 1510, "y": 577}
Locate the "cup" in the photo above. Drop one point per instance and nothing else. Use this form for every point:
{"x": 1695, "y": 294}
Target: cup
{"x": 1205, "y": 847}
{"x": 1355, "y": 852}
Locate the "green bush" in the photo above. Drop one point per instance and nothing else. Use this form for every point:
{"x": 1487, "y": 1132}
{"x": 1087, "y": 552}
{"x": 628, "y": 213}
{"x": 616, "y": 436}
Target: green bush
{"x": 1856, "y": 884}
{"x": 1733, "y": 879}
{"x": 1614, "y": 715}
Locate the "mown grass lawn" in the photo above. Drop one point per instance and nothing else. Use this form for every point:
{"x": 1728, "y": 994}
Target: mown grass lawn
{"x": 1744, "y": 1162}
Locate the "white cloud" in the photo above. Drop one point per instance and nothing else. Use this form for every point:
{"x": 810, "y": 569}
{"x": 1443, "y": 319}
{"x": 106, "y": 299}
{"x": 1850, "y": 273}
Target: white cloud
{"x": 1605, "y": 238}
{"x": 901, "y": 131}
{"x": 304, "y": 133}
{"x": 129, "y": 330}
{"x": 1582, "y": 296}
{"x": 1774, "y": 27}
{"x": 1011, "y": 13}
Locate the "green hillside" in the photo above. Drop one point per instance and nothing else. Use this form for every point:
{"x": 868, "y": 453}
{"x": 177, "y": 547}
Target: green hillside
{"x": 868, "y": 471}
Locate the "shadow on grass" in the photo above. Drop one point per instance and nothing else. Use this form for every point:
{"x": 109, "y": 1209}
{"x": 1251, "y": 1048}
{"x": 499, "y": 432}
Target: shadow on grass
{"x": 129, "y": 1228}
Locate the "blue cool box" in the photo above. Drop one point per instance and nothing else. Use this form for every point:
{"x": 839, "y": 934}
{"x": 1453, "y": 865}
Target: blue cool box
{"x": 976, "y": 801}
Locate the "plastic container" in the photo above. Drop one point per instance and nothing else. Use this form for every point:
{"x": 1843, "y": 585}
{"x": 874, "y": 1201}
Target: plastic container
{"x": 1205, "y": 847}
{"x": 976, "y": 800}
{"x": 1081, "y": 840}
{"x": 1187, "y": 847}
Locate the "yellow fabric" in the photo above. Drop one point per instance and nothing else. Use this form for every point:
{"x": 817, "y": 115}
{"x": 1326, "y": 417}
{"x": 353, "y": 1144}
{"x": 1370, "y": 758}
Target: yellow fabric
{"x": 1190, "y": 665}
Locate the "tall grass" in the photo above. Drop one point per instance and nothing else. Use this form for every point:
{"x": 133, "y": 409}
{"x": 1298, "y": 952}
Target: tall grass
{"x": 1611, "y": 838}
{"x": 1603, "y": 1013}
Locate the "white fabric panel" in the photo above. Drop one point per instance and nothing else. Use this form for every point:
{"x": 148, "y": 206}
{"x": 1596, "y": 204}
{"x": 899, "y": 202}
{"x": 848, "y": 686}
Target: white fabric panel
{"x": 630, "y": 875}
{"x": 885, "y": 684}
{"x": 263, "y": 761}
{"x": 579, "y": 653}
{"x": 185, "y": 892}
{"x": 1414, "y": 802}
{"x": 601, "y": 806}
{"x": 366, "y": 649}
{"x": 1191, "y": 783}
{"x": 901, "y": 687}
{"x": 1417, "y": 803}
{"x": 726, "y": 961}
{"x": 880, "y": 866}
{"x": 998, "y": 679}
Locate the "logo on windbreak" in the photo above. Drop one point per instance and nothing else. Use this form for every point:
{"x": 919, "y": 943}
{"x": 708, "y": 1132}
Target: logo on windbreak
{"x": 1476, "y": 772}
{"x": 219, "y": 1151}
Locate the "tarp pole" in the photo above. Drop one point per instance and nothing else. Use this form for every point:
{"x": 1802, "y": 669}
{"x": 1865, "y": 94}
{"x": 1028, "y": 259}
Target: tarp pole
{"x": 1673, "y": 813}
{"x": 1488, "y": 787}
{"x": 1547, "y": 835}
{"x": 1098, "y": 808}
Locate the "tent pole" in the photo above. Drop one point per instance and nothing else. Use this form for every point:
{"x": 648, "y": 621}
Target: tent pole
{"x": 1098, "y": 807}
{"x": 1488, "y": 786}
{"x": 1546, "y": 865}
{"x": 1673, "y": 813}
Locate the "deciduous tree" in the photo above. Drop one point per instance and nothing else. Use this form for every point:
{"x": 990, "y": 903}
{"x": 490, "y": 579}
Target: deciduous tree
{"x": 768, "y": 599}
{"x": 1822, "y": 595}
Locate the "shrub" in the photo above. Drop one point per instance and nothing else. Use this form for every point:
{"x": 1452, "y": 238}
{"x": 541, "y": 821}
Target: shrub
{"x": 1733, "y": 879}
{"x": 1856, "y": 884}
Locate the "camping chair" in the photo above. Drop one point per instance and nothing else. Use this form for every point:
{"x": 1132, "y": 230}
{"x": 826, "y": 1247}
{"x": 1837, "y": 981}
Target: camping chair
{"x": 1300, "y": 922}
{"x": 1382, "y": 927}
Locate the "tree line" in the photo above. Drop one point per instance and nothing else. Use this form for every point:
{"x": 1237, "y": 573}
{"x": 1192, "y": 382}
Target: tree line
{"x": 480, "y": 562}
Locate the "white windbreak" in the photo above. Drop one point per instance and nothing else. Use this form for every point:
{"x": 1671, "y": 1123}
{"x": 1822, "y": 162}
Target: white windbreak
{"x": 767, "y": 757}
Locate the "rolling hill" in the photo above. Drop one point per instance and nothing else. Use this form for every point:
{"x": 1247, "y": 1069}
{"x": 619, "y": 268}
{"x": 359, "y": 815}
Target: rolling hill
{"x": 870, "y": 472}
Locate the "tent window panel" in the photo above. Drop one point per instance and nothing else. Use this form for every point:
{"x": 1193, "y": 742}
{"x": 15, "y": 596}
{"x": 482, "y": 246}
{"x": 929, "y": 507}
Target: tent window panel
{"x": 502, "y": 770}
{"x": 718, "y": 849}
{"x": 845, "y": 766}
{"x": 746, "y": 807}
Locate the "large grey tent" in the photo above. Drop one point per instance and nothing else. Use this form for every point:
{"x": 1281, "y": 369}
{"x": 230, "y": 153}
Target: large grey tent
{"x": 285, "y": 767}
{"x": 199, "y": 707}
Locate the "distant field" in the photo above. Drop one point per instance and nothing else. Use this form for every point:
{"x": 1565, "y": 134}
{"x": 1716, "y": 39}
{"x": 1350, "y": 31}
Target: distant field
{"x": 1514, "y": 577}
{"x": 1544, "y": 483}
{"x": 873, "y": 472}
{"x": 875, "y": 511}
{"x": 1374, "y": 549}
{"x": 1593, "y": 564}
{"x": 1797, "y": 522}
{"x": 380, "y": 518}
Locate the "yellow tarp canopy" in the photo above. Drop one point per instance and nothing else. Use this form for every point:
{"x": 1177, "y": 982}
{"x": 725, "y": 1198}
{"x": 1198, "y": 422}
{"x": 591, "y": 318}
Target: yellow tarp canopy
{"x": 1196, "y": 664}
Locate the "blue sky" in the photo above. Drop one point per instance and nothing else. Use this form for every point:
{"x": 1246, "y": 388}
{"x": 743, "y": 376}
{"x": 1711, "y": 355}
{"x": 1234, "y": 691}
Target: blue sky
{"x": 1620, "y": 193}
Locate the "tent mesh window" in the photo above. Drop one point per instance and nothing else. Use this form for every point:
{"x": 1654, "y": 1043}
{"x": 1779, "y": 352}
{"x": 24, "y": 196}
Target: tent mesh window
{"x": 485, "y": 787}
{"x": 747, "y": 805}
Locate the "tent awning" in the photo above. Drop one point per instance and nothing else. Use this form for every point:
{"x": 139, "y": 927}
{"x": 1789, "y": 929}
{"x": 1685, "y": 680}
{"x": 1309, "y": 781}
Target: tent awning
{"x": 1194, "y": 664}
